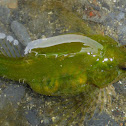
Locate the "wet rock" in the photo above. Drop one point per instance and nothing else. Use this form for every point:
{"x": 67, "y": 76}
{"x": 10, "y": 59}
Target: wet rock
{"x": 111, "y": 15}
{"x": 117, "y": 113}
{"x": 44, "y": 24}
{"x": 1, "y": 30}
{"x": 11, "y": 95}
{"x": 116, "y": 22}
{"x": 120, "y": 87}
{"x": 122, "y": 29}
{"x": 104, "y": 4}
{"x": 5, "y": 15}
{"x": 120, "y": 16}
{"x": 120, "y": 3}
{"x": 9, "y": 3}
{"x": 101, "y": 120}
{"x": 122, "y": 34}
{"x": 20, "y": 32}
{"x": 46, "y": 121}
{"x": 32, "y": 118}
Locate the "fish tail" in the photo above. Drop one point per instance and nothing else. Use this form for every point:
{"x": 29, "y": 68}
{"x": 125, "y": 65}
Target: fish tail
{"x": 10, "y": 47}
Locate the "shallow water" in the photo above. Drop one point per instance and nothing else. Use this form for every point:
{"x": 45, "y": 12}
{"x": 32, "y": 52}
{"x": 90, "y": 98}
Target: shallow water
{"x": 35, "y": 19}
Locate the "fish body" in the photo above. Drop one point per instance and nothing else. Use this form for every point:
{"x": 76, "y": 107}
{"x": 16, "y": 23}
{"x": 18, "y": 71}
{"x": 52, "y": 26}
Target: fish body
{"x": 66, "y": 68}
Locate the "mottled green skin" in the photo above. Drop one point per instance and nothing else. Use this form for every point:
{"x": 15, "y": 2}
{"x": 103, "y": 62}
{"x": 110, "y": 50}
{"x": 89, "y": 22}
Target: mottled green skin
{"x": 66, "y": 75}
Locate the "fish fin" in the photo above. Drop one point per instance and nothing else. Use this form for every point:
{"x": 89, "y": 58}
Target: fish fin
{"x": 11, "y": 48}
{"x": 75, "y": 110}
{"x": 72, "y": 110}
{"x": 114, "y": 102}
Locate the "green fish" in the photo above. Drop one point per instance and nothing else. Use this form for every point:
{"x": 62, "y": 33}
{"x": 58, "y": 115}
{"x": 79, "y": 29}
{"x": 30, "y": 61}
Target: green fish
{"x": 67, "y": 66}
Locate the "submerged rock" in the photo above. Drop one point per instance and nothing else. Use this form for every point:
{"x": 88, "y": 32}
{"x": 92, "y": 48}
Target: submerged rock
{"x": 20, "y": 32}
{"x": 5, "y": 15}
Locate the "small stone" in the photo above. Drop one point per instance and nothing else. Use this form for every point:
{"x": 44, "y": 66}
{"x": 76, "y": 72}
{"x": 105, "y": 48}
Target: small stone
{"x": 2, "y": 36}
{"x": 10, "y": 38}
{"x": 16, "y": 42}
{"x": 20, "y": 32}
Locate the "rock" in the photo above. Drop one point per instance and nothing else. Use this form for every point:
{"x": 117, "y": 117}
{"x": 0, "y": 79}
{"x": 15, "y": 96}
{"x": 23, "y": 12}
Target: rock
{"x": 101, "y": 120}
{"x": 2, "y": 30}
{"x": 12, "y": 95}
{"x": 104, "y": 4}
{"x": 120, "y": 16}
{"x": 31, "y": 116}
{"x": 20, "y": 32}
{"x": 120, "y": 87}
{"x": 9, "y": 3}
{"x": 5, "y": 15}
{"x": 122, "y": 34}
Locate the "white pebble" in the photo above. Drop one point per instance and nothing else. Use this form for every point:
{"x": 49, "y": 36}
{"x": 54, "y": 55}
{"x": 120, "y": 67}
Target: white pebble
{"x": 10, "y": 38}
{"x": 106, "y": 59}
{"x": 111, "y": 59}
{"x": 94, "y": 55}
{"x": 88, "y": 53}
{"x": 16, "y": 42}
{"x": 97, "y": 60}
{"x": 2, "y": 35}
